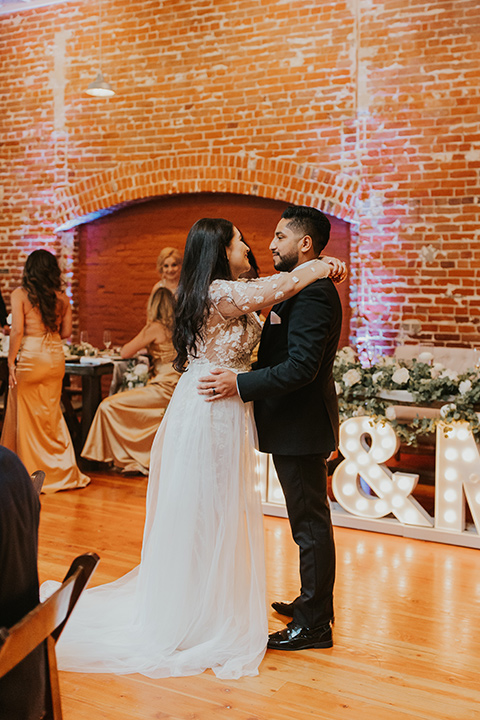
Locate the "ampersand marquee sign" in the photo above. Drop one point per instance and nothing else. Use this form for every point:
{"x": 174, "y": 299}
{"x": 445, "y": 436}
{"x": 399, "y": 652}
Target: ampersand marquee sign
{"x": 372, "y": 497}
{"x": 392, "y": 490}
{"x": 366, "y": 446}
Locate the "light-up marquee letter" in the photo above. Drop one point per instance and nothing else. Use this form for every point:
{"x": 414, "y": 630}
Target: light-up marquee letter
{"x": 364, "y": 461}
{"x": 457, "y": 472}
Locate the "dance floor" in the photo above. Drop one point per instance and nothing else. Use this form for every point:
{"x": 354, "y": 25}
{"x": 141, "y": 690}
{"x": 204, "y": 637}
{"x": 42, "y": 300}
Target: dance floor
{"x": 406, "y": 636}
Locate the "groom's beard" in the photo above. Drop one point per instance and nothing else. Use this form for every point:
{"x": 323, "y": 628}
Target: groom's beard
{"x": 285, "y": 263}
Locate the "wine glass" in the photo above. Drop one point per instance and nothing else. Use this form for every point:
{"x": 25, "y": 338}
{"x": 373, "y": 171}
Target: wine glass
{"x": 476, "y": 357}
{"x": 107, "y": 338}
{"x": 83, "y": 337}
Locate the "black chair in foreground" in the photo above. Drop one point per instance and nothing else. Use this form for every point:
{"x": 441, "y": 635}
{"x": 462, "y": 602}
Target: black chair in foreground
{"x": 45, "y": 623}
{"x": 38, "y": 478}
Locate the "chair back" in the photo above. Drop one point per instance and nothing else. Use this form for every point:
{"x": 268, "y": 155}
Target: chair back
{"x": 38, "y": 478}
{"x": 46, "y": 622}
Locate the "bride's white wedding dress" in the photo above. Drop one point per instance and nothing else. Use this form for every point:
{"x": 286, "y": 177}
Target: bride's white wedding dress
{"x": 197, "y": 599}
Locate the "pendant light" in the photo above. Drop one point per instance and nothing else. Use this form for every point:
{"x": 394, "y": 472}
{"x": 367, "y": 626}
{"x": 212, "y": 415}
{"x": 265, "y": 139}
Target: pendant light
{"x": 100, "y": 87}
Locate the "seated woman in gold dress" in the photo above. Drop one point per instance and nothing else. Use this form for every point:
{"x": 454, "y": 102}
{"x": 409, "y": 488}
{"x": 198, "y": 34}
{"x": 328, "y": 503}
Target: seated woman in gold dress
{"x": 34, "y": 426}
{"x": 125, "y": 424}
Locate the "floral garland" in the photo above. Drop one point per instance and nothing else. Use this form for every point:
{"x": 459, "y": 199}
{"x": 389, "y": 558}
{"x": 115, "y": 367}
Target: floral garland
{"x": 365, "y": 391}
{"x": 83, "y": 349}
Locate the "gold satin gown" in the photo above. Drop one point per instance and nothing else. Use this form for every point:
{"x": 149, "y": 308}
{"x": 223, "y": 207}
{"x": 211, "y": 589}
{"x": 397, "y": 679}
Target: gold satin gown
{"x": 34, "y": 426}
{"x": 125, "y": 424}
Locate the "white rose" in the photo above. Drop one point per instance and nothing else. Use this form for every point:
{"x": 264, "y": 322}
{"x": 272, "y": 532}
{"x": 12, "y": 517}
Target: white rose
{"x": 401, "y": 376}
{"x": 450, "y": 375}
{"x": 351, "y": 377}
{"x": 376, "y": 376}
{"x": 140, "y": 369}
{"x": 425, "y": 357}
{"x": 347, "y": 354}
{"x": 338, "y": 388}
{"x": 445, "y": 409}
{"x": 465, "y": 386}
{"x": 390, "y": 413}
{"x": 437, "y": 369}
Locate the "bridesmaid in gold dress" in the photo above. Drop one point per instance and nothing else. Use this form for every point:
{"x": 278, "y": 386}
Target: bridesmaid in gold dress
{"x": 34, "y": 427}
{"x": 125, "y": 424}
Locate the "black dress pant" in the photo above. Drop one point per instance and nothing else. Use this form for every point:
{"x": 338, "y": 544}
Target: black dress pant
{"x": 304, "y": 482}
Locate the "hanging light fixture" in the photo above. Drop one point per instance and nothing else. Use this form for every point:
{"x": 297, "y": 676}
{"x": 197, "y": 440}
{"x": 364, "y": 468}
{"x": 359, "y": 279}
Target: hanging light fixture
{"x": 100, "y": 87}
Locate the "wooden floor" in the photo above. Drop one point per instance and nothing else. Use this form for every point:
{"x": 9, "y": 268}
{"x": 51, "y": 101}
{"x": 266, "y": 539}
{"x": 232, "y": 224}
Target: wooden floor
{"x": 406, "y": 637}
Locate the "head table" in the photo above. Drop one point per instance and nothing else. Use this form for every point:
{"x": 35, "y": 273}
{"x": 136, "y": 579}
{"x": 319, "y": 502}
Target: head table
{"x": 91, "y": 374}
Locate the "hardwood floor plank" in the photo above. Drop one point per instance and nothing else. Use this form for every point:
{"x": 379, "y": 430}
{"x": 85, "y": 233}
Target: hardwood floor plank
{"x": 380, "y": 692}
{"x": 203, "y": 701}
{"x": 332, "y": 701}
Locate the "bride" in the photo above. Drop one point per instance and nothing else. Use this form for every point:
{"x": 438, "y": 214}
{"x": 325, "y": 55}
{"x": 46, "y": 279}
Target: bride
{"x": 197, "y": 599}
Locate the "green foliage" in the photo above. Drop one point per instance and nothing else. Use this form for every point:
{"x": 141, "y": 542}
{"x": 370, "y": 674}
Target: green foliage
{"x": 80, "y": 349}
{"x": 361, "y": 391}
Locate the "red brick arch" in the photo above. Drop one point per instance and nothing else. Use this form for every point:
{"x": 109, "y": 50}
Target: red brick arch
{"x": 239, "y": 174}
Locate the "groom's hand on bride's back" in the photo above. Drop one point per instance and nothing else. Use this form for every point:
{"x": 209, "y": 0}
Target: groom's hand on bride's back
{"x": 218, "y": 385}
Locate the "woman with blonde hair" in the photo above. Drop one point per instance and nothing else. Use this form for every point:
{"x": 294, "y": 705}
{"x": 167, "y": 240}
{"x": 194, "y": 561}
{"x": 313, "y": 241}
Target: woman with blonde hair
{"x": 34, "y": 426}
{"x": 160, "y": 308}
{"x": 125, "y": 424}
{"x": 169, "y": 267}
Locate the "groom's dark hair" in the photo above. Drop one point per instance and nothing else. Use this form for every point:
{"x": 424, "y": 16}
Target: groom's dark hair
{"x": 309, "y": 221}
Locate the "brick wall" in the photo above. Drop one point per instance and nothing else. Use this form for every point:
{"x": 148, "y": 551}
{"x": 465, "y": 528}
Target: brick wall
{"x": 368, "y": 110}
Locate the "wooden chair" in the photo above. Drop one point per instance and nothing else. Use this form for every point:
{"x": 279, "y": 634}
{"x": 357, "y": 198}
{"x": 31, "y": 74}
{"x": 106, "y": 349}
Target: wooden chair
{"x": 45, "y": 623}
{"x": 38, "y": 478}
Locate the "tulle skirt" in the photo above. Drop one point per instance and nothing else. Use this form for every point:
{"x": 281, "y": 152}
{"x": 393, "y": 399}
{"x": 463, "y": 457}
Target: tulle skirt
{"x": 197, "y": 599}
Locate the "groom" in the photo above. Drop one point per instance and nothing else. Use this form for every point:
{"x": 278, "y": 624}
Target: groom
{"x": 296, "y": 413}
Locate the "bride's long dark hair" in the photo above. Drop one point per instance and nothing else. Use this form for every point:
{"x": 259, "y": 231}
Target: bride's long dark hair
{"x": 205, "y": 260}
{"x": 42, "y": 280}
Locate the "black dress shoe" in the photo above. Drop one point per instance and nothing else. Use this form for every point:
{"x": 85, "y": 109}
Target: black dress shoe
{"x": 283, "y": 608}
{"x": 295, "y": 637}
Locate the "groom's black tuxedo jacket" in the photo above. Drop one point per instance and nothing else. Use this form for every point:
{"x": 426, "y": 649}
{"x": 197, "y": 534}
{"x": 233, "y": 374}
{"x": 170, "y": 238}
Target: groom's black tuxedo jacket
{"x": 296, "y": 409}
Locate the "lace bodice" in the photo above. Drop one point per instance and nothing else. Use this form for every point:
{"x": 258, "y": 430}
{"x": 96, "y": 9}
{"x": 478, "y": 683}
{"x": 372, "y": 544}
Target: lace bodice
{"x": 228, "y": 340}
{"x": 232, "y": 328}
